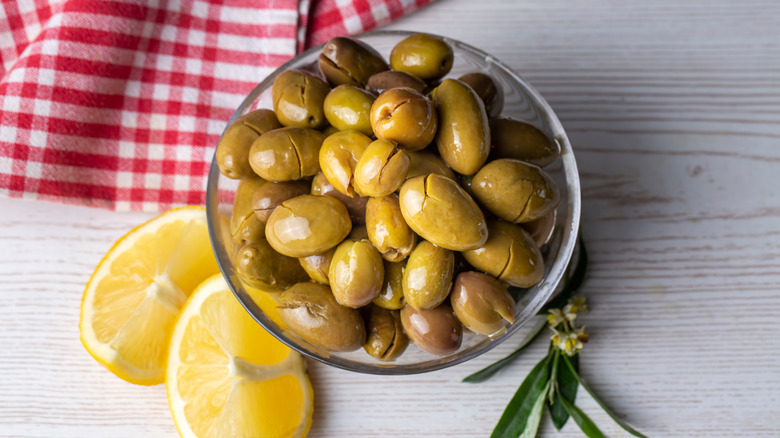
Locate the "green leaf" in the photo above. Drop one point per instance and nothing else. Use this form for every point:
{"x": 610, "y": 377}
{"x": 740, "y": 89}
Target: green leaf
{"x": 535, "y": 418}
{"x": 567, "y": 388}
{"x": 587, "y": 425}
{"x": 572, "y": 282}
{"x": 488, "y": 372}
{"x": 620, "y": 422}
{"x": 515, "y": 416}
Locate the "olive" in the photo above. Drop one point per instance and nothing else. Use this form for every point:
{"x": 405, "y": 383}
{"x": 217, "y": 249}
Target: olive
{"x": 436, "y": 330}
{"x": 440, "y": 211}
{"x": 428, "y": 276}
{"x": 515, "y": 191}
{"x": 329, "y": 130}
{"x": 383, "y": 81}
{"x": 271, "y": 195}
{"x": 317, "y": 265}
{"x": 307, "y": 225}
{"x": 541, "y": 229}
{"x": 356, "y": 206}
{"x": 392, "y": 294}
{"x": 310, "y": 311}
{"x": 259, "y": 266}
{"x": 523, "y": 141}
{"x": 463, "y": 139}
{"x": 338, "y": 156}
{"x": 381, "y": 169}
{"x": 298, "y": 98}
{"x": 425, "y": 56}
{"x": 349, "y": 107}
{"x": 286, "y": 154}
{"x": 347, "y": 61}
{"x": 482, "y": 303}
{"x": 233, "y": 148}
{"x": 387, "y": 229}
{"x": 404, "y": 116}
{"x": 356, "y": 273}
{"x": 359, "y": 232}
{"x": 509, "y": 255}
{"x": 487, "y": 90}
{"x": 385, "y": 338}
{"x": 245, "y": 227}
{"x": 425, "y": 163}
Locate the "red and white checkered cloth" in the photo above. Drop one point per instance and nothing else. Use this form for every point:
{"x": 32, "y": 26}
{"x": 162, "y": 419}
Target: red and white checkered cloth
{"x": 119, "y": 104}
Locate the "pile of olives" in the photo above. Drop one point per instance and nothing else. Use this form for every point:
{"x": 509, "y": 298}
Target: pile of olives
{"x": 388, "y": 202}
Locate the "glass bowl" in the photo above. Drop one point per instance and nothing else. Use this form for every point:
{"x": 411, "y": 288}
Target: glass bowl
{"x": 521, "y": 101}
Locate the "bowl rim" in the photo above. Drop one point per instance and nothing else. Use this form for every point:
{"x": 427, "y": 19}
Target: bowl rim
{"x": 556, "y": 272}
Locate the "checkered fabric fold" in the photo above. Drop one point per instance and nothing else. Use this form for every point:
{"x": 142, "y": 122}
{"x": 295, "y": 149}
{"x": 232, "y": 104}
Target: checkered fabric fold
{"x": 119, "y": 104}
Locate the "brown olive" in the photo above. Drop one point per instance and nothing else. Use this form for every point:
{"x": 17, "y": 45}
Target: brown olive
{"x": 245, "y": 227}
{"x": 522, "y": 141}
{"x": 515, "y": 191}
{"x": 436, "y": 330}
{"x": 425, "y": 56}
{"x": 356, "y": 273}
{"x": 487, "y": 90}
{"x": 307, "y": 225}
{"x": 259, "y": 266}
{"x": 271, "y": 195}
{"x": 482, "y": 303}
{"x": 509, "y": 255}
{"x": 428, "y": 276}
{"x": 381, "y": 169}
{"x": 347, "y": 61}
{"x": 463, "y": 139}
{"x": 541, "y": 229}
{"x": 355, "y": 205}
{"x": 426, "y": 163}
{"x": 392, "y": 294}
{"x": 310, "y": 311}
{"x": 387, "y": 229}
{"x": 317, "y": 266}
{"x": 349, "y": 107}
{"x": 383, "y": 81}
{"x": 338, "y": 156}
{"x": 404, "y": 116}
{"x": 440, "y": 211}
{"x": 385, "y": 339}
{"x": 298, "y": 98}
{"x": 286, "y": 154}
{"x": 233, "y": 148}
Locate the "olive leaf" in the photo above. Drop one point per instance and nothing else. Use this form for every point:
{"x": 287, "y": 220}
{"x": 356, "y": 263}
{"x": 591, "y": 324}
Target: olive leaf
{"x": 535, "y": 418}
{"x": 567, "y": 388}
{"x": 587, "y": 425}
{"x": 515, "y": 417}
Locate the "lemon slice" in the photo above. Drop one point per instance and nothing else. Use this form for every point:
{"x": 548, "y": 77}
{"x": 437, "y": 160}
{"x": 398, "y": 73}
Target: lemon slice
{"x": 228, "y": 377}
{"x": 132, "y": 301}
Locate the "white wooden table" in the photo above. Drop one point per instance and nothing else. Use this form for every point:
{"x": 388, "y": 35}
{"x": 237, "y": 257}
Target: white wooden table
{"x": 673, "y": 108}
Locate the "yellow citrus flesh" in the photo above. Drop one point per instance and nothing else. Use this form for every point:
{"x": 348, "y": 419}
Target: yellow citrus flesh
{"x": 133, "y": 299}
{"x": 227, "y": 376}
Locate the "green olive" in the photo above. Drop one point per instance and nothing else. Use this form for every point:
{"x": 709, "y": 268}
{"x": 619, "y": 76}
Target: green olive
{"x": 271, "y": 195}
{"x": 259, "y": 266}
{"x": 307, "y": 225}
{"x": 509, "y": 254}
{"x": 487, "y": 90}
{"x": 428, "y": 276}
{"x": 404, "y": 116}
{"x": 338, "y": 156}
{"x": 541, "y": 229}
{"x": 349, "y": 107}
{"x": 348, "y": 61}
{"x": 425, "y": 56}
{"x": 440, "y": 211}
{"x": 436, "y": 330}
{"x": 359, "y": 232}
{"x": 515, "y": 191}
{"x": 298, "y": 98}
{"x": 286, "y": 154}
{"x": 522, "y": 141}
{"x": 387, "y": 229}
{"x": 463, "y": 139}
{"x": 244, "y": 226}
{"x": 426, "y": 163}
{"x": 392, "y": 294}
{"x": 356, "y": 205}
{"x": 233, "y": 148}
{"x": 385, "y": 339}
{"x": 356, "y": 273}
{"x": 317, "y": 266}
{"x": 482, "y": 303}
{"x": 381, "y": 169}
{"x": 383, "y": 81}
{"x": 329, "y": 130}
{"x": 310, "y": 311}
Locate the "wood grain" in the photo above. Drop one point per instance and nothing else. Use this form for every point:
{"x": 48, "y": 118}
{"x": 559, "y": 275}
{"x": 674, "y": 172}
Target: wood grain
{"x": 673, "y": 109}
